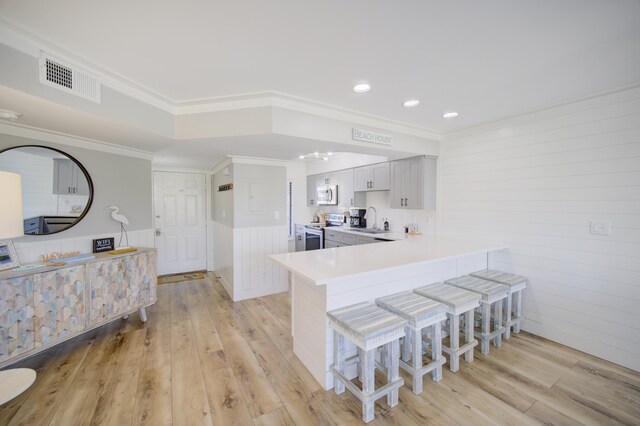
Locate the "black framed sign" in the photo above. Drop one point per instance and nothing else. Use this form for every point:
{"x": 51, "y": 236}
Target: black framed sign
{"x": 103, "y": 244}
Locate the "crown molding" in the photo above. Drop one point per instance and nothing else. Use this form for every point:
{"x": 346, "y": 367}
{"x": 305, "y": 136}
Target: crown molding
{"x": 30, "y": 132}
{"x": 220, "y": 164}
{"x": 31, "y": 44}
{"x": 307, "y": 106}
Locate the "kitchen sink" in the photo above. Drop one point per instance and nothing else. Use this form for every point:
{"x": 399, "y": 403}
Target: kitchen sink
{"x": 370, "y": 231}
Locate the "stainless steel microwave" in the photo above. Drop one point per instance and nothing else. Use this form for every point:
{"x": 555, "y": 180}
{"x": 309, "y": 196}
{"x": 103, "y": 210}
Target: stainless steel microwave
{"x": 328, "y": 195}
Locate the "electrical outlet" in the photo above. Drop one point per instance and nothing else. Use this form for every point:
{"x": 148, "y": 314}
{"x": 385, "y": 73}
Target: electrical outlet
{"x": 600, "y": 228}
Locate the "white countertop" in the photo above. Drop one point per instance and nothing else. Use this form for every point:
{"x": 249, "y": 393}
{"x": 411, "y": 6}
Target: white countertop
{"x": 328, "y": 265}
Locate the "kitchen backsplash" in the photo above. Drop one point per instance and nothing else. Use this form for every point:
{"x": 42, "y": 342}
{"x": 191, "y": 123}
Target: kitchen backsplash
{"x": 398, "y": 218}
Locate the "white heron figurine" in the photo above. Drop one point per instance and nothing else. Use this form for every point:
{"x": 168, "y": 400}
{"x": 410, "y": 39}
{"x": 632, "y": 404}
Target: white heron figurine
{"x": 122, "y": 219}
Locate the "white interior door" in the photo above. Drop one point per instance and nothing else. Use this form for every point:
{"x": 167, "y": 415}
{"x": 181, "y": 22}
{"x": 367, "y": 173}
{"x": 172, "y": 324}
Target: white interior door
{"x": 179, "y": 208}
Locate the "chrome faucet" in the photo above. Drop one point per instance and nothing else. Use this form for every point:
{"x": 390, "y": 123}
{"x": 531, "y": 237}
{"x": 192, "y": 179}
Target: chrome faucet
{"x": 375, "y": 225}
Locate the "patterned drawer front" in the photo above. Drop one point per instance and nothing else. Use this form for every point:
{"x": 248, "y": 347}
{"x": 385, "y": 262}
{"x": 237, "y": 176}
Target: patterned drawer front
{"x": 148, "y": 276}
{"x": 16, "y": 317}
{"x": 59, "y": 304}
{"x": 114, "y": 288}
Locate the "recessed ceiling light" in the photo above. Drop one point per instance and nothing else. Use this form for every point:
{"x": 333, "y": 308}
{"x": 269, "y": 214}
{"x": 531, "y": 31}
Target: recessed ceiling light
{"x": 301, "y": 157}
{"x": 6, "y": 114}
{"x": 362, "y": 87}
{"x": 410, "y": 103}
{"x": 451, "y": 114}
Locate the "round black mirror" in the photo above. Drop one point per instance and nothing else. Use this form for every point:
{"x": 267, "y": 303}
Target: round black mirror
{"x": 56, "y": 189}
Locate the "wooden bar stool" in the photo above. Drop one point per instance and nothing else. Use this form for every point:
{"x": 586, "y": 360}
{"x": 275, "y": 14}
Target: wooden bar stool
{"x": 458, "y": 302}
{"x": 423, "y": 315}
{"x": 369, "y": 328}
{"x": 493, "y": 294}
{"x": 513, "y": 309}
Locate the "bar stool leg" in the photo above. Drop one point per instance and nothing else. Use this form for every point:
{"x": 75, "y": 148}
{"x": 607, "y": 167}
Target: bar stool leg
{"x": 486, "y": 328}
{"x": 406, "y": 344}
{"x": 468, "y": 334}
{"x": 509, "y": 316}
{"x": 393, "y": 370}
{"x": 497, "y": 323}
{"x": 516, "y": 327}
{"x": 454, "y": 330}
{"x": 338, "y": 360}
{"x": 436, "y": 350}
{"x": 416, "y": 359}
{"x": 368, "y": 382}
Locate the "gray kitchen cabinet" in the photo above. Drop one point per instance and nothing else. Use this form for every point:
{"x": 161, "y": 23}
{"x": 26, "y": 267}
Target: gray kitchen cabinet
{"x": 413, "y": 183}
{"x": 372, "y": 178}
{"x": 312, "y": 192}
{"x": 68, "y": 178}
{"x": 365, "y": 240}
{"x": 332, "y": 244}
{"x": 346, "y": 196}
{"x": 299, "y": 237}
{"x": 327, "y": 179}
{"x": 333, "y": 236}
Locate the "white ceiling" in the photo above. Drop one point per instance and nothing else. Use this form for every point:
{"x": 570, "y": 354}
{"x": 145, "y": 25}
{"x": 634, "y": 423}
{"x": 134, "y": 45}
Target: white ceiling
{"x": 486, "y": 59}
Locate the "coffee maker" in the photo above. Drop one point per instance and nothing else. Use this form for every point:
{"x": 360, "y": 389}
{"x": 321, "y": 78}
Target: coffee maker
{"x": 356, "y": 217}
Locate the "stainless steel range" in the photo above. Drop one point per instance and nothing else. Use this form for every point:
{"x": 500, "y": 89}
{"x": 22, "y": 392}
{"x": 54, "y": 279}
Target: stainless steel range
{"x": 314, "y": 233}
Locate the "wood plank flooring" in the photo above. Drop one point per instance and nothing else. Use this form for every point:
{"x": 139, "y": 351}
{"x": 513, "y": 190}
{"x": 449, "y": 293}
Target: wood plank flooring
{"x": 201, "y": 359}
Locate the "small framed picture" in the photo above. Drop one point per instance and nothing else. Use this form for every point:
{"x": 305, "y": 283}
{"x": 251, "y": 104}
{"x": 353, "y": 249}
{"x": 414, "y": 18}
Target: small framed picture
{"x": 8, "y": 256}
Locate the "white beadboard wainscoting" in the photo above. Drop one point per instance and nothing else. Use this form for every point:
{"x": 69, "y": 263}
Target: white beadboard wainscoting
{"x": 535, "y": 183}
{"x": 242, "y": 260}
{"x": 30, "y": 252}
{"x": 255, "y": 274}
{"x": 223, "y": 254}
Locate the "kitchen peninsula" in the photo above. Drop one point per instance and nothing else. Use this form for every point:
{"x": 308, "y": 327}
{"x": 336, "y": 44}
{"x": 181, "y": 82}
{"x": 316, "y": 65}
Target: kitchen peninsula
{"x": 323, "y": 280}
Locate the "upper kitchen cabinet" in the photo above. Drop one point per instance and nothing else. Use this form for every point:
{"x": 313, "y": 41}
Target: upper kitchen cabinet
{"x": 312, "y": 191}
{"x": 346, "y": 194}
{"x": 372, "y": 178}
{"x": 68, "y": 178}
{"x": 413, "y": 183}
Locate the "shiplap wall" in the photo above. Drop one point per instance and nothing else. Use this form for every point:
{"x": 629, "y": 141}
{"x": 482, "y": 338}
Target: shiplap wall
{"x": 254, "y": 273}
{"x": 535, "y": 182}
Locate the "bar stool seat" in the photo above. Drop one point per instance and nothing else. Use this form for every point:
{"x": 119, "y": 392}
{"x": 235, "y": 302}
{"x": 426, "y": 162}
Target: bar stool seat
{"x": 458, "y": 302}
{"x": 424, "y": 317}
{"x": 492, "y": 295}
{"x": 513, "y": 308}
{"x": 369, "y": 328}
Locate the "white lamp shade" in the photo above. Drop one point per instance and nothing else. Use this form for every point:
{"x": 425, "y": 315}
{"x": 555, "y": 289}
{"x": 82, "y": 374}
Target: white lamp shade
{"x": 11, "y": 219}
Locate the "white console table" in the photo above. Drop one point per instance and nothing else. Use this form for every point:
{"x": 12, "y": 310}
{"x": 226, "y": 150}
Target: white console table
{"x": 42, "y": 307}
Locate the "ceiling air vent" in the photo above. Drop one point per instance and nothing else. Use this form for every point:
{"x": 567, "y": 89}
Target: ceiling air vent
{"x": 65, "y": 76}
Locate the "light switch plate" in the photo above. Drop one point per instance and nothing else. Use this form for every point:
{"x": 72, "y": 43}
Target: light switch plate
{"x": 600, "y": 228}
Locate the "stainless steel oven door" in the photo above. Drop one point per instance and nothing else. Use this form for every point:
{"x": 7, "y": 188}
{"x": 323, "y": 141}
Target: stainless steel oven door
{"x": 327, "y": 195}
{"x": 313, "y": 239}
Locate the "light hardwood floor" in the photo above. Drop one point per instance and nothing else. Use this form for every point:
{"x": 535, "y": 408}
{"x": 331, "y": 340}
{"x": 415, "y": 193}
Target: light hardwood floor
{"x": 201, "y": 359}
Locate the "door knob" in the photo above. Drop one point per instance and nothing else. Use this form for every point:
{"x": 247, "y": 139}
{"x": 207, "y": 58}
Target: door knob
{"x": 158, "y": 232}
